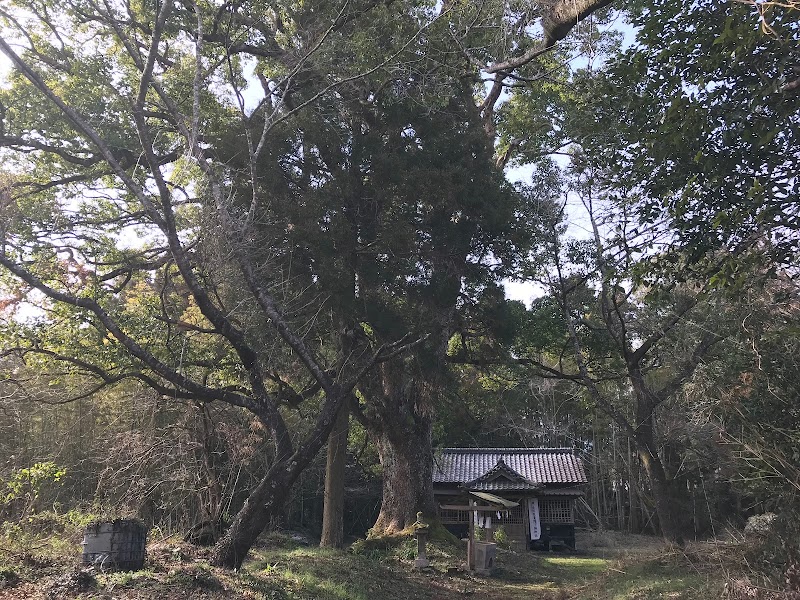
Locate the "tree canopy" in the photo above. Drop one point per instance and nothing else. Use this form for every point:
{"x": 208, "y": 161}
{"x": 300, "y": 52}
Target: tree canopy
{"x": 699, "y": 120}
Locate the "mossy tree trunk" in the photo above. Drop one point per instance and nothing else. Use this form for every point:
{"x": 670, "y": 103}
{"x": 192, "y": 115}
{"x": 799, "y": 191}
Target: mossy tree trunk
{"x": 406, "y": 456}
{"x": 399, "y": 420}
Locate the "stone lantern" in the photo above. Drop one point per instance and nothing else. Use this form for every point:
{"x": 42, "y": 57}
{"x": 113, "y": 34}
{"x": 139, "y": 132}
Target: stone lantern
{"x": 421, "y": 531}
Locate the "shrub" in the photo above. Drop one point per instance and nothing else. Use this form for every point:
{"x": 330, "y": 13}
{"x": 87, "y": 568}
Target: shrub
{"x": 501, "y": 537}
{"x": 772, "y": 556}
{"x": 23, "y": 488}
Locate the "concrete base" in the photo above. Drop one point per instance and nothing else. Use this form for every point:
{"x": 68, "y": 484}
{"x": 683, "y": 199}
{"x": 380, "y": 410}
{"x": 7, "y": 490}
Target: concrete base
{"x": 485, "y": 554}
{"x": 421, "y": 563}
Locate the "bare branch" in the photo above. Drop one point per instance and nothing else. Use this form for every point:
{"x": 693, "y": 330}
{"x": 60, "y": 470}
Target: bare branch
{"x": 129, "y": 343}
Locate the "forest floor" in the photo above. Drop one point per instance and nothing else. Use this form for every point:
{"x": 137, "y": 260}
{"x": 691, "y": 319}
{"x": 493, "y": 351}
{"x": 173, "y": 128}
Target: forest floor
{"x": 609, "y": 566}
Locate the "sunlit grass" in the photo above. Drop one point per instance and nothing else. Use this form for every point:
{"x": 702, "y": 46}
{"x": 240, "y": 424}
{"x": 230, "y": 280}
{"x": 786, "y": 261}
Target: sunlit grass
{"x": 310, "y": 572}
{"x": 575, "y": 566}
{"x": 653, "y": 579}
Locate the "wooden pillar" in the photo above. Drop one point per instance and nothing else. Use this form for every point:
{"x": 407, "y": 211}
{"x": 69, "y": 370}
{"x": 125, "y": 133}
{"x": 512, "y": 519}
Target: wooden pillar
{"x": 471, "y": 541}
{"x": 526, "y": 519}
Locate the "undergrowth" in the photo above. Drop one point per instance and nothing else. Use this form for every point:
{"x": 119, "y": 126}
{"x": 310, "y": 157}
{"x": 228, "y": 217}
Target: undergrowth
{"x": 442, "y": 547}
{"x": 44, "y": 538}
{"x": 617, "y": 567}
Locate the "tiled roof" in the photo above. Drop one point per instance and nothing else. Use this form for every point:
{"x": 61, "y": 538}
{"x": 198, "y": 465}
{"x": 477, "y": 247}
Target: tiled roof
{"x": 536, "y": 465}
{"x": 565, "y": 492}
{"x": 501, "y": 477}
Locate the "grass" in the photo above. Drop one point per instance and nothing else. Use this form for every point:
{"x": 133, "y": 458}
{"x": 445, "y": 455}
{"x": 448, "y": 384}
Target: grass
{"x": 651, "y": 580}
{"x": 335, "y": 574}
{"x": 614, "y": 567}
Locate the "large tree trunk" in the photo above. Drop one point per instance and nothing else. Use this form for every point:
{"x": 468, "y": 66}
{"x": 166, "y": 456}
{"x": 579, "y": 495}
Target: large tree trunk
{"x": 665, "y": 497}
{"x": 406, "y": 455}
{"x": 264, "y": 502}
{"x": 665, "y": 501}
{"x": 333, "y": 508}
{"x": 267, "y": 501}
{"x": 405, "y": 396}
{"x": 633, "y": 493}
{"x": 668, "y": 505}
